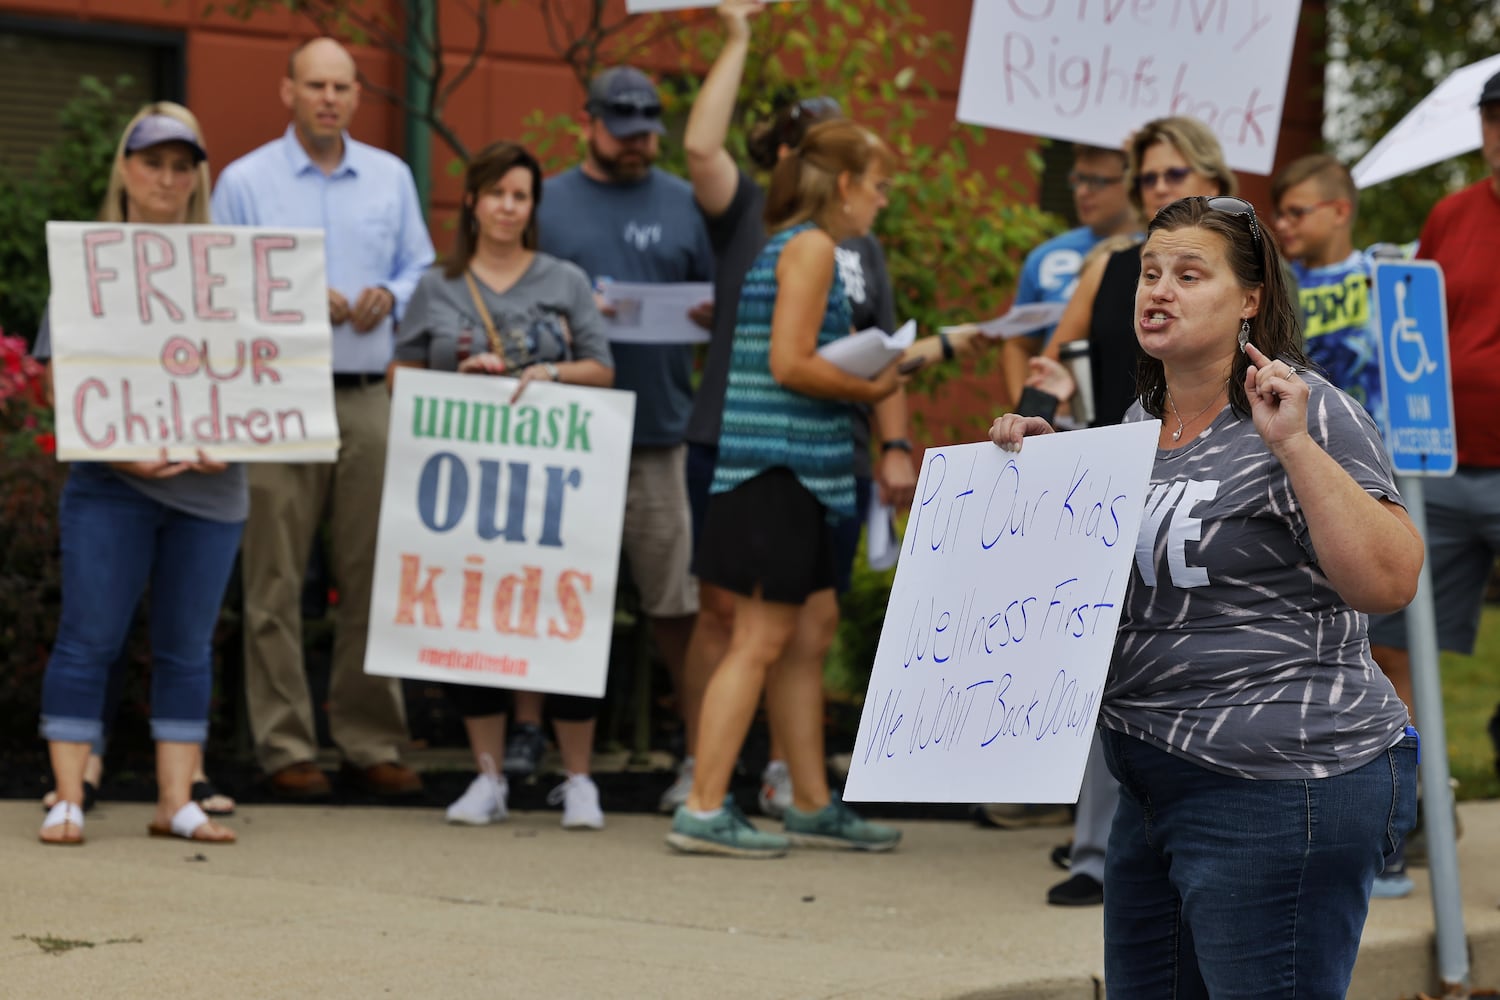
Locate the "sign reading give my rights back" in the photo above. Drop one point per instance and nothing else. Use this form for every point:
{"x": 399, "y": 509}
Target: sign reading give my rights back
{"x": 1094, "y": 70}
{"x": 1002, "y": 618}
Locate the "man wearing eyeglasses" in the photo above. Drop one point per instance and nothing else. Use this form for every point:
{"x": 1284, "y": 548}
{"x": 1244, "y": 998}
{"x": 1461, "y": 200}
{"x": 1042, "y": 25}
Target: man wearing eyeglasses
{"x": 1462, "y": 233}
{"x": 1315, "y": 203}
{"x": 1050, "y": 273}
{"x": 621, "y": 219}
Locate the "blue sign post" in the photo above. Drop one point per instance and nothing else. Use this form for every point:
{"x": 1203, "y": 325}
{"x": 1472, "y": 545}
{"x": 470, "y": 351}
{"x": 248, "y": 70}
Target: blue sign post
{"x": 1410, "y": 313}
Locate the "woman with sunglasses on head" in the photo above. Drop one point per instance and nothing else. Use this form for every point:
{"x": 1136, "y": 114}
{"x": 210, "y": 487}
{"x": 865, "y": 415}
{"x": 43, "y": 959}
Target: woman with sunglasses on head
{"x": 1265, "y": 764}
{"x": 497, "y": 306}
{"x": 1167, "y": 159}
{"x": 171, "y": 525}
{"x": 732, "y": 203}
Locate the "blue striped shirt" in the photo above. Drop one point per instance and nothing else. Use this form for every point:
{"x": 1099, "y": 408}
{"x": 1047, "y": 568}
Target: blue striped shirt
{"x": 767, "y": 425}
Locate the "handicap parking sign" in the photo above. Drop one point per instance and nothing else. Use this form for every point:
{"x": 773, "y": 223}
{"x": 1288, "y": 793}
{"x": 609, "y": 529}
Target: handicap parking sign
{"x": 1412, "y": 318}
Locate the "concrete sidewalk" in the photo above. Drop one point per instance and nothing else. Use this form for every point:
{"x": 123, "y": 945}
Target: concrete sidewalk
{"x": 360, "y": 902}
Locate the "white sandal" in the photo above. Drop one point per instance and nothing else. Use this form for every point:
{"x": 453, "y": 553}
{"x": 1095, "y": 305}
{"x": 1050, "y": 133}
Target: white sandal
{"x": 186, "y": 823}
{"x": 63, "y": 814}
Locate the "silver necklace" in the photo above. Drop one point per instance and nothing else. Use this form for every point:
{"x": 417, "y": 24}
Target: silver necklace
{"x": 1181, "y": 425}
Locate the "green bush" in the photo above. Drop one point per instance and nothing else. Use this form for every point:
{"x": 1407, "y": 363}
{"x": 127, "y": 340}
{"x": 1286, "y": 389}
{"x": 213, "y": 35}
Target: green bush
{"x": 68, "y": 183}
{"x": 30, "y": 584}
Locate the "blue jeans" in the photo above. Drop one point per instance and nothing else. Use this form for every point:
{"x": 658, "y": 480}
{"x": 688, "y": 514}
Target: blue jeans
{"x": 115, "y": 540}
{"x": 1232, "y": 888}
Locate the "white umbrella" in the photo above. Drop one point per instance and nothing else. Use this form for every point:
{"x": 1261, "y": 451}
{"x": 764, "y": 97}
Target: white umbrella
{"x": 1443, "y": 126}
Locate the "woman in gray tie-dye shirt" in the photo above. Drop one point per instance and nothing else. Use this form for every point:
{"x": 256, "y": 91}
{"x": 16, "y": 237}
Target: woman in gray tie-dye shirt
{"x": 1265, "y": 762}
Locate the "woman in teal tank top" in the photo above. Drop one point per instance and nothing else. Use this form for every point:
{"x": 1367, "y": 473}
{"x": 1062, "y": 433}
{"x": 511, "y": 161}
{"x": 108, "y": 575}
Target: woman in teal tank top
{"x": 785, "y": 472}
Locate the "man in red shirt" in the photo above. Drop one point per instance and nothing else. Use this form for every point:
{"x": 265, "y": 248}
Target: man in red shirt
{"x": 1463, "y": 513}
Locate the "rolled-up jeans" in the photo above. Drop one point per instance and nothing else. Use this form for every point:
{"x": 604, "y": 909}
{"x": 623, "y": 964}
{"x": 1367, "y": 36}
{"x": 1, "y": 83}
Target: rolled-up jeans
{"x": 1233, "y": 888}
{"x": 116, "y": 540}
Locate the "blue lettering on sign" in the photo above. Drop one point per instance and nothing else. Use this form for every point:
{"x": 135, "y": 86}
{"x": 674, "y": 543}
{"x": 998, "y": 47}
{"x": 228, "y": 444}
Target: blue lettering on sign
{"x": 446, "y": 473}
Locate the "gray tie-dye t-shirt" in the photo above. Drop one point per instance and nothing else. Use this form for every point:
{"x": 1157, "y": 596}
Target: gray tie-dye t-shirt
{"x": 1234, "y": 650}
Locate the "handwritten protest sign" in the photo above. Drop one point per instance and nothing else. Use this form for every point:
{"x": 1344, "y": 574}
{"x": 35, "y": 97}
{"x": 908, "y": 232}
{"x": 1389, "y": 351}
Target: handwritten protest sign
{"x": 998, "y": 634}
{"x": 499, "y": 533}
{"x": 188, "y": 338}
{"x": 1093, "y": 70}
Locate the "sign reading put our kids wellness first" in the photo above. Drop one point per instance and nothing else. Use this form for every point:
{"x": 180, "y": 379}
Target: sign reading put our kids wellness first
{"x": 500, "y": 532}
{"x": 1002, "y": 619}
{"x": 189, "y": 338}
{"x": 1091, "y": 71}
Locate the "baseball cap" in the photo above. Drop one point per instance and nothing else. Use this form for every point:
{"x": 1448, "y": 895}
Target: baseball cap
{"x": 626, "y": 101}
{"x": 153, "y": 130}
{"x": 1491, "y": 91}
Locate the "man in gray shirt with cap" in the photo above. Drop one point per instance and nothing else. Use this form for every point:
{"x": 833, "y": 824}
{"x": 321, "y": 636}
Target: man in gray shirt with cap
{"x": 619, "y": 218}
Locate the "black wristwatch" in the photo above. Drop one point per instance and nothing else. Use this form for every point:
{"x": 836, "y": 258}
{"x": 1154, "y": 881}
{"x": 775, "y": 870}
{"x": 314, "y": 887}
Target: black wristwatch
{"x": 895, "y": 444}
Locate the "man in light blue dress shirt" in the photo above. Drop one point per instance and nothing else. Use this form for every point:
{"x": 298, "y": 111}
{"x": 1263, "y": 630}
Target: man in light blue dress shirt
{"x": 377, "y": 245}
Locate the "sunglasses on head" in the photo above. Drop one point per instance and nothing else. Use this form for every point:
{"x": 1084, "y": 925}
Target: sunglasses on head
{"x": 1172, "y": 175}
{"x": 1241, "y": 208}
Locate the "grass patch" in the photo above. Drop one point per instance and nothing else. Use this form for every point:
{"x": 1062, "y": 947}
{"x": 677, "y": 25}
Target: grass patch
{"x": 1471, "y": 690}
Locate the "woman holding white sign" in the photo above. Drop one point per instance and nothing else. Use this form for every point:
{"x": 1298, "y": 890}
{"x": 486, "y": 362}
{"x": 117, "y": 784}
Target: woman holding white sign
{"x": 496, "y": 306}
{"x": 785, "y": 473}
{"x": 174, "y": 525}
{"x": 1265, "y": 764}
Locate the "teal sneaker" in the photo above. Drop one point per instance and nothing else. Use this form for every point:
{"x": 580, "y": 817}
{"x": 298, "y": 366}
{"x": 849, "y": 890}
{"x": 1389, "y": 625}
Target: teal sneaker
{"x": 838, "y": 826}
{"x": 728, "y": 834}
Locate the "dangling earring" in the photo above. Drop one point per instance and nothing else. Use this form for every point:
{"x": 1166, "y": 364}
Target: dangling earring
{"x": 1244, "y": 333}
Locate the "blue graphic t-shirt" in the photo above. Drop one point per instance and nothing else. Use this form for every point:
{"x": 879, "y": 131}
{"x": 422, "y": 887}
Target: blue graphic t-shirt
{"x": 1051, "y": 270}
{"x": 1339, "y": 331}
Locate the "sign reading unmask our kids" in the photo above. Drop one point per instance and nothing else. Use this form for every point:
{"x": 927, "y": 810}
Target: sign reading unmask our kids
{"x": 500, "y": 532}
{"x": 189, "y": 338}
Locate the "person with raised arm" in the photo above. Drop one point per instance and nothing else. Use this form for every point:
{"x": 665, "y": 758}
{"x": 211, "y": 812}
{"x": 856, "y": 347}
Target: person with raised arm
{"x": 784, "y": 475}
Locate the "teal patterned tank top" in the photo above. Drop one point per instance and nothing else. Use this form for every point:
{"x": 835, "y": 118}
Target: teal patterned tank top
{"x": 767, "y": 425}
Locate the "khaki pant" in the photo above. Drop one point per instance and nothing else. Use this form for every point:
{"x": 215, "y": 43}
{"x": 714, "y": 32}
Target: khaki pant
{"x": 287, "y": 502}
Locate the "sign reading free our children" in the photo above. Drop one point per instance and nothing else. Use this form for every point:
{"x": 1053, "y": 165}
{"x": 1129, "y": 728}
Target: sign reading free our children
{"x": 189, "y": 338}
{"x": 500, "y": 532}
{"x": 1002, "y": 619}
{"x": 1092, "y": 70}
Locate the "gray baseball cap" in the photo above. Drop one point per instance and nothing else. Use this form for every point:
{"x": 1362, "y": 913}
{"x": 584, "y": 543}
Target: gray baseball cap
{"x": 153, "y": 130}
{"x": 626, "y": 101}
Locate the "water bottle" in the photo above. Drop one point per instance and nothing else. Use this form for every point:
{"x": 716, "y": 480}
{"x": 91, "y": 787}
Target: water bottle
{"x": 1074, "y": 356}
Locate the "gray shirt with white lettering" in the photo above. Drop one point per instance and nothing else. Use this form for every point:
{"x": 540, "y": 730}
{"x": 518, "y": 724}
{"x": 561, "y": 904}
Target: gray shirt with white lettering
{"x": 1234, "y": 650}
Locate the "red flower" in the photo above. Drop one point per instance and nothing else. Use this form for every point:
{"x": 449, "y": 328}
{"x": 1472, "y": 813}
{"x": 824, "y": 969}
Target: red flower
{"x": 47, "y": 442}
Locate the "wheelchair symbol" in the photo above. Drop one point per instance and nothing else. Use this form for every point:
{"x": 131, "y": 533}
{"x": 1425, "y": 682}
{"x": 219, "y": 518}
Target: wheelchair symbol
{"x": 1404, "y": 332}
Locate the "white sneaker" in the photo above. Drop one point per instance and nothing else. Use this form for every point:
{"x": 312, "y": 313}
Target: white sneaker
{"x": 484, "y": 801}
{"x": 579, "y": 797}
{"x": 677, "y": 795}
{"x": 775, "y": 789}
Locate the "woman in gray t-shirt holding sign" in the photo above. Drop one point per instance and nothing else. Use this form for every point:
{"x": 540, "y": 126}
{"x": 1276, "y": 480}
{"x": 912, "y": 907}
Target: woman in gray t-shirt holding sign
{"x": 497, "y": 306}
{"x": 1265, "y": 762}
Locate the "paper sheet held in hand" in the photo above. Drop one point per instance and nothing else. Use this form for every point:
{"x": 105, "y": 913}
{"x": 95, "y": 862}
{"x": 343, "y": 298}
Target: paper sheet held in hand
{"x": 865, "y": 353}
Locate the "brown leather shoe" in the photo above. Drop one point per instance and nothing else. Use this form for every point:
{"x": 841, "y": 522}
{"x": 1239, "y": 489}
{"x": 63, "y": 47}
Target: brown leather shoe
{"x": 300, "y": 782}
{"x": 387, "y": 779}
